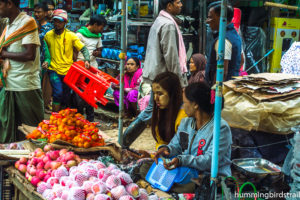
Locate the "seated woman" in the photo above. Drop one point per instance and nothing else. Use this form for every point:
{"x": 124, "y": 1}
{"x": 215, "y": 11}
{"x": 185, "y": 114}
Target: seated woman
{"x": 167, "y": 111}
{"x": 193, "y": 143}
{"x": 132, "y": 79}
{"x": 197, "y": 68}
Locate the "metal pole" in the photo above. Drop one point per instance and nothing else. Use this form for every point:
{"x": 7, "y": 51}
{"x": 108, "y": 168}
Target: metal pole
{"x": 202, "y": 26}
{"x": 155, "y": 8}
{"x": 200, "y": 30}
{"x": 91, "y": 8}
{"x": 219, "y": 85}
{"x": 122, "y": 63}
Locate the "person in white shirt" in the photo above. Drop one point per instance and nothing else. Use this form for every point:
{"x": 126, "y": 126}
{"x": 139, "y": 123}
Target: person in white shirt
{"x": 21, "y": 98}
{"x": 90, "y": 36}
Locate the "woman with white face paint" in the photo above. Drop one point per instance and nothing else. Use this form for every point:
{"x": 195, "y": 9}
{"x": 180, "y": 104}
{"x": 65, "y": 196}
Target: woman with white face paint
{"x": 167, "y": 112}
{"x": 192, "y": 145}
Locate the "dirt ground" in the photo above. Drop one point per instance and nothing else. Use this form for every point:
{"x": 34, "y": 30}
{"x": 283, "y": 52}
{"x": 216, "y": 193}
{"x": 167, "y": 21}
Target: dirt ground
{"x": 144, "y": 142}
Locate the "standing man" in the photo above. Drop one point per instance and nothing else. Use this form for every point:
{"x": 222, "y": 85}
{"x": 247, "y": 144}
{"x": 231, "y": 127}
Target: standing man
{"x": 90, "y": 36}
{"x": 51, "y": 7}
{"x": 61, "y": 42}
{"x": 21, "y": 99}
{"x": 87, "y": 14}
{"x": 40, "y": 14}
{"x": 165, "y": 52}
{"x": 233, "y": 46}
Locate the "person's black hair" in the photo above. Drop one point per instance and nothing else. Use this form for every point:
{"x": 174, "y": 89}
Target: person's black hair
{"x": 200, "y": 93}
{"x": 16, "y": 2}
{"x": 49, "y": 2}
{"x": 212, "y": 4}
{"x": 136, "y": 60}
{"x": 164, "y": 3}
{"x": 96, "y": 2}
{"x": 216, "y": 6}
{"x": 42, "y": 5}
{"x": 98, "y": 19}
{"x": 164, "y": 119}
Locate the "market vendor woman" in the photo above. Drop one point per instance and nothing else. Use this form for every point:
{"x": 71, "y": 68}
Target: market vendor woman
{"x": 167, "y": 107}
{"x": 192, "y": 145}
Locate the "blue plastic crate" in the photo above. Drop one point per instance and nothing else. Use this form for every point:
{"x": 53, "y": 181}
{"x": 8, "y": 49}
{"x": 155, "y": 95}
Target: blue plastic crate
{"x": 163, "y": 179}
{"x": 185, "y": 174}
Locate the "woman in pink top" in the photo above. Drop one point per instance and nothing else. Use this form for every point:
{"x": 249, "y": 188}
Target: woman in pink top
{"x": 132, "y": 79}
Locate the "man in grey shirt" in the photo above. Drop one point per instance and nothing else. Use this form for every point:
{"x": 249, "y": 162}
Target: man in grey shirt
{"x": 165, "y": 52}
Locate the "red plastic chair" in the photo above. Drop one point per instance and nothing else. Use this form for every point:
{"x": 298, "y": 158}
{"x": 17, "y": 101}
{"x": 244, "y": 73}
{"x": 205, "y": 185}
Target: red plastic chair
{"x": 90, "y": 84}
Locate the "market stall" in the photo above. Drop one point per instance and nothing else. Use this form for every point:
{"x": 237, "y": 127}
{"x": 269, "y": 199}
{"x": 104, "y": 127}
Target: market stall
{"x": 46, "y": 167}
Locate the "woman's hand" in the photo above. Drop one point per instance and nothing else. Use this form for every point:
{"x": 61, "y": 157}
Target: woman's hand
{"x": 172, "y": 165}
{"x": 164, "y": 151}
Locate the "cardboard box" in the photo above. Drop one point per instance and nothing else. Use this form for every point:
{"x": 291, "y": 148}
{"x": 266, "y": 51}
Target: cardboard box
{"x": 284, "y": 31}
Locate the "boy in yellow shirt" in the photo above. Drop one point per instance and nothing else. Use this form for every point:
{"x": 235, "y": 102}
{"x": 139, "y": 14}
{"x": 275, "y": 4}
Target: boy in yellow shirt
{"x": 61, "y": 43}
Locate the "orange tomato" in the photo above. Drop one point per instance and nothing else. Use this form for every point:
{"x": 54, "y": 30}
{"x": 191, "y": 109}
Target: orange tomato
{"x": 75, "y": 139}
{"x": 86, "y": 145}
{"x": 94, "y": 137}
{"x": 92, "y": 127}
{"x": 80, "y": 140}
{"x": 70, "y": 122}
{"x": 64, "y": 120}
{"x": 63, "y": 137}
{"x": 78, "y": 123}
{"x": 58, "y": 136}
{"x": 78, "y": 115}
{"x": 73, "y": 132}
{"x": 59, "y": 121}
{"x": 68, "y": 133}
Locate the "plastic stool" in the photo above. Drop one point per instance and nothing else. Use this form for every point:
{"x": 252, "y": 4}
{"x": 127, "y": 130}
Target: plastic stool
{"x": 90, "y": 84}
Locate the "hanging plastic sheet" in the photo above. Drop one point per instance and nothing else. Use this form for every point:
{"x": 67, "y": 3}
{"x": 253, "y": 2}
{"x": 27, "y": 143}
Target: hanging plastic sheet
{"x": 254, "y": 47}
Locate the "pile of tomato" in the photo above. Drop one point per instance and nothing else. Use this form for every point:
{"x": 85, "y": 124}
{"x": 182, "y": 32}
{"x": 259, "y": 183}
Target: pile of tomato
{"x": 69, "y": 126}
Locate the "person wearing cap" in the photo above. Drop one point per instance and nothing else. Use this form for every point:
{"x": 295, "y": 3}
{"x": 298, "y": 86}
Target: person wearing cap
{"x": 21, "y": 98}
{"x": 61, "y": 43}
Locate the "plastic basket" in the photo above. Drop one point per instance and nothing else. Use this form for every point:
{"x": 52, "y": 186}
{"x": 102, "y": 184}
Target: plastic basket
{"x": 185, "y": 174}
{"x": 163, "y": 179}
{"x": 90, "y": 84}
{"x": 7, "y": 188}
